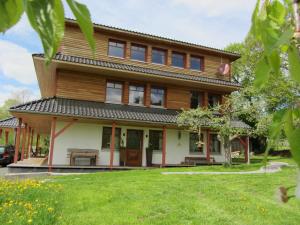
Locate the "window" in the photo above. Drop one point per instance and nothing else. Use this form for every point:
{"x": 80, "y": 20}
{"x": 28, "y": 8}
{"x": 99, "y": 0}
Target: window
{"x": 178, "y": 60}
{"x": 196, "y": 63}
{"x": 155, "y": 139}
{"x": 158, "y": 56}
{"x": 106, "y": 137}
{"x": 196, "y": 99}
{"x": 215, "y": 144}
{"x": 114, "y": 92}
{"x": 157, "y": 96}
{"x": 138, "y": 52}
{"x": 194, "y": 139}
{"x": 213, "y": 100}
{"x": 136, "y": 94}
{"x": 116, "y": 48}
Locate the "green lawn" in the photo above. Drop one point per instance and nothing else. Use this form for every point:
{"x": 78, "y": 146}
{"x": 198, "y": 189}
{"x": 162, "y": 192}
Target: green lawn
{"x": 147, "y": 197}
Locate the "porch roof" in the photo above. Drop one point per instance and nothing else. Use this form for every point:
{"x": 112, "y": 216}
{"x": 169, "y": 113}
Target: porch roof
{"x": 104, "y": 111}
{"x": 137, "y": 69}
{"x": 10, "y": 122}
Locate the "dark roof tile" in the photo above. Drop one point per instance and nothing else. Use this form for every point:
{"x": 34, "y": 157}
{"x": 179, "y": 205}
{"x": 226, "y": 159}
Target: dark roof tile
{"x": 125, "y": 67}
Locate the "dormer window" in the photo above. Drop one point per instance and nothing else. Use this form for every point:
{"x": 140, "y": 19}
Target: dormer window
{"x": 178, "y": 59}
{"x": 138, "y": 52}
{"x": 114, "y": 92}
{"x": 116, "y": 48}
{"x": 196, "y": 63}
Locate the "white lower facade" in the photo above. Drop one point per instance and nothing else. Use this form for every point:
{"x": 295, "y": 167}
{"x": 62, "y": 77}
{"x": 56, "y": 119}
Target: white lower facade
{"x": 89, "y": 136}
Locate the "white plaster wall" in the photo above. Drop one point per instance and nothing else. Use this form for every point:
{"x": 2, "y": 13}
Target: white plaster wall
{"x": 88, "y": 136}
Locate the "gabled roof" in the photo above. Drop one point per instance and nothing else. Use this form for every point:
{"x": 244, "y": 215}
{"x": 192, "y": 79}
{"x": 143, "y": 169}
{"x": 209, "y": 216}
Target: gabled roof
{"x": 160, "y": 38}
{"x": 102, "y": 111}
{"x": 10, "y": 122}
{"x": 137, "y": 69}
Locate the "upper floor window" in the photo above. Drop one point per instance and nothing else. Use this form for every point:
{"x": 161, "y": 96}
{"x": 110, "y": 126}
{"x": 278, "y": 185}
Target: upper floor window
{"x": 136, "y": 94}
{"x": 158, "y": 56}
{"x": 138, "y": 52}
{"x": 194, "y": 143}
{"x": 196, "y": 63}
{"x": 178, "y": 59}
{"x": 155, "y": 139}
{"x": 116, "y": 48}
{"x": 157, "y": 96}
{"x": 215, "y": 144}
{"x": 114, "y": 92}
{"x": 106, "y": 137}
{"x": 213, "y": 100}
{"x": 196, "y": 99}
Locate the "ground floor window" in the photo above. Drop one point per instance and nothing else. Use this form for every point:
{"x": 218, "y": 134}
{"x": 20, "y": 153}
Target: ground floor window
{"x": 155, "y": 139}
{"x": 194, "y": 139}
{"x": 106, "y": 137}
{"x": 215, "y": 144}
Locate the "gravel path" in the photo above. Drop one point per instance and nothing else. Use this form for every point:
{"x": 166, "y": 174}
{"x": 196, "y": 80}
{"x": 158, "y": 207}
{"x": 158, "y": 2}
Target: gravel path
{"x": 273, "y": 167}
{"x": 3, "y": 171}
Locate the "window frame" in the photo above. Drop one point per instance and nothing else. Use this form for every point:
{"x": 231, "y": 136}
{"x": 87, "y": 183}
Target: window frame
{"x": 184, "y": 59}
{"x": 164, "y": 97}
{"x": 213, "y": 94}
{"x": 201, "y": 58}
{"x": 161, "y": 132}
{"x": 139, "y": 46}
{"x": 116, "y": 133}
{"x": 144, "y": 93}
{"x": 161, "y": 50}
{"x": 202, "y": 139}
{"x": 122, "y": 91}
{"x": 200, "y": 104}
{"x": 210, "y": 144}
{"x": 119, "y": 42}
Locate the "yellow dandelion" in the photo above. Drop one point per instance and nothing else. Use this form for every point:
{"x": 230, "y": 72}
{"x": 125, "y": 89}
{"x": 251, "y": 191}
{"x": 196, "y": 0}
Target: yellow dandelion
{"x": 29, "y": 221}
{"x": 50, "y": 209}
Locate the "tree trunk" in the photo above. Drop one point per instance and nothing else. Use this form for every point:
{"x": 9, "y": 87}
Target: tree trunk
{"x": 227, "y": 150}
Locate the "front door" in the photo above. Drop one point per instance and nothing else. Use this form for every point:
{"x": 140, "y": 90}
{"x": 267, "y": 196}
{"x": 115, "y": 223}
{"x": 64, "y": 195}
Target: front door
{"x": 134, "y": 148}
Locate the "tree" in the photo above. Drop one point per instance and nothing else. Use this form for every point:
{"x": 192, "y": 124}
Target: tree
{"x": 47, "y": 19}
{"x": 276, "y": 25}
{"x": 194, "y": 120}
{"x": 219, "y": 119}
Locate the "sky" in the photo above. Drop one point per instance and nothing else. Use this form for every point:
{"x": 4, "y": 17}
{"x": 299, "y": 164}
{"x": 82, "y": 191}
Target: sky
{"x": 212, "y": 23}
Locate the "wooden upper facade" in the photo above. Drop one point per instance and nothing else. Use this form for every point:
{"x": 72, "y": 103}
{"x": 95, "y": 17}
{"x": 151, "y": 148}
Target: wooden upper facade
{"x": 91, "y": 83}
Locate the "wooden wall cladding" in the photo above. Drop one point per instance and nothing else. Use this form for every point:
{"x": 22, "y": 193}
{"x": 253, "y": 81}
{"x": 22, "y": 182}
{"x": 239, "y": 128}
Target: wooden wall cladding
{"x": 75, "y": 44}
{"x": 178, "y": 98}
{"x": 82, "y": 86}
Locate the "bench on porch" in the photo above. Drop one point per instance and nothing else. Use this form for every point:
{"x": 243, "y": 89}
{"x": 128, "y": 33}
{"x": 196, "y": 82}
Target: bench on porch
{"x": 197, "y": 160}
{"x": 75, "y": 154}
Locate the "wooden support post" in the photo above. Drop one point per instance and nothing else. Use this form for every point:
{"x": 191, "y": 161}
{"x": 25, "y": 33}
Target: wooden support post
{"x": 37, "y": 143}
{"x": 208, "y": 147}
{"x": 6, "y": 137}
{"x": 28, "y": 143}
{"x": 164, "y": 147}
{"x": 17, "y": 145}
{"x": 125, "y": 98}
{"x": 31, "y": 142}
{"x": 52, "y": 138}
{"x": 148, "y": 95}
{"x": 24, "y": 135}
{"x": 112, "y": 145}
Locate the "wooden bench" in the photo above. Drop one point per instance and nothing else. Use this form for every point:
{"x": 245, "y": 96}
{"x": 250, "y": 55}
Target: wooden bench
{"x": 91, "y": 154}
{"x": 196, "y": 160}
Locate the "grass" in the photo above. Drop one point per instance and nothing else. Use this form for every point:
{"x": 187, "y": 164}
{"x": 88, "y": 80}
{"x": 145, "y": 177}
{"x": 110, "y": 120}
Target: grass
{"x": 148, "y": 197}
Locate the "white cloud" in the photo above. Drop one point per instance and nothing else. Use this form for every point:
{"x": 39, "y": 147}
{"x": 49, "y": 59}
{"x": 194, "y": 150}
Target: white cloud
{"x": 216, "y": 7}
{"x": 16, "y": 63}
